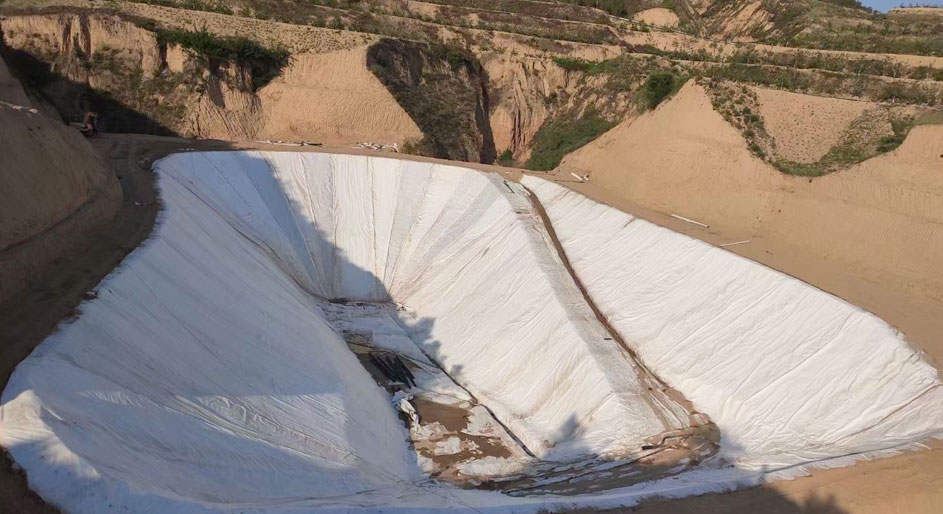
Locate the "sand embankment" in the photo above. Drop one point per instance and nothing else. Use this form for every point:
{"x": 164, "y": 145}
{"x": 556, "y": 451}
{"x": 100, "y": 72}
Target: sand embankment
{"x": 54, "y": 190}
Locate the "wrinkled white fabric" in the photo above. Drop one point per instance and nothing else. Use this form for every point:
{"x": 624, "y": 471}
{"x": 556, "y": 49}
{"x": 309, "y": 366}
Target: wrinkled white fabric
{"x": 205, "y": 378}
{"x": 789, "y": 373}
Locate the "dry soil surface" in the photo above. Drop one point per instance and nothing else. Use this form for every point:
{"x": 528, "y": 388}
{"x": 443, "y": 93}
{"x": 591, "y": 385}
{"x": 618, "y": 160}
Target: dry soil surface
{"x": 806, "y": 127}
{"x": 658, "y": 17}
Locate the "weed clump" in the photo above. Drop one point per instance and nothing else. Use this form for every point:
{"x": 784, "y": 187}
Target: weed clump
{"x": 659, "y": 86}
{"x": 506, "y": 158}
{"x": 561, "y": 136}
{"x": 265, "y": 63}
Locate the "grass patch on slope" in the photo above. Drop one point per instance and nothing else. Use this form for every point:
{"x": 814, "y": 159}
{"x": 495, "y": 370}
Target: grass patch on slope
{"x": 858, "y": 143}
{"x": 265, "y": 63}
{"x": 562, "y": 135}
{"x": 659, "y": 86}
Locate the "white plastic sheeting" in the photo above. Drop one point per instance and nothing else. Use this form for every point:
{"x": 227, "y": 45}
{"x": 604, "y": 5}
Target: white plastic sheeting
{"x": 204, "y": 377}
{"x": 790, "y": 374}
{"x": 462, "y": 251}
{"x": 200, "y": 374}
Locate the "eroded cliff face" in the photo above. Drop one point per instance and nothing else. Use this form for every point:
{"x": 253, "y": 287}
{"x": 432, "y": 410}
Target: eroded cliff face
{"x": 54, "y": 189}
{"x": 137, "y": 83}
{"x": 444, "y": 101}
{"x": 444, "y": 90}
{"x": 740, "y": 20}
{"x": 527, "y": 89}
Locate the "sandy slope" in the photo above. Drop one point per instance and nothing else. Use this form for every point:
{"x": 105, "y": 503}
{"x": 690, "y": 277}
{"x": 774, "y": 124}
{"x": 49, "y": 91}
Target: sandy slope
{"x": 805, "y": 127}
{"x": 333, "y": 79}
{"x": 879, "y": 221}
{"x": 53, "y": 189}
{"x": 658, "y": 17}
{"x": 326, "y": 95}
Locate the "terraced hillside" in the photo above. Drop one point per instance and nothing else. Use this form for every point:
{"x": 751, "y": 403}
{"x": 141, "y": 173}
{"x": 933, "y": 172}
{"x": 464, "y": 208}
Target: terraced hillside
{"x": 553, "y": 75}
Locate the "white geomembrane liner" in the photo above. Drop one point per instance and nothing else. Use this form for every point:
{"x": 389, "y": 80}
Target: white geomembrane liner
{"x": 205, "y": 378}
{"x": 789, "y": 373}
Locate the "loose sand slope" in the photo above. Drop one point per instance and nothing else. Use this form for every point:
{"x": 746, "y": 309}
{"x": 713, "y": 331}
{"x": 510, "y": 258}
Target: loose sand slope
{"x": 806, "y": 127}
{"x": 53, "y": 188}
{"x": 351, "y": 104}
{"x": 882, "y": 219}
{"x": 658, "y": 17}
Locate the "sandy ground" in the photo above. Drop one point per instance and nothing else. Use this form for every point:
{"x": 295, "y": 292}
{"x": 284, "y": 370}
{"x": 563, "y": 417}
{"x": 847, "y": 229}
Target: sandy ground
{"x": 872, "y": 234}
{"x": 658, "y": 17}
{"x": 805, "y": 127}
{"x": 334, "y": 78}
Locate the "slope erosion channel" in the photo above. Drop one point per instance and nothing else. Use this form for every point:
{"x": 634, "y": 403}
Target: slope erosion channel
{"x": 309, "y": 331}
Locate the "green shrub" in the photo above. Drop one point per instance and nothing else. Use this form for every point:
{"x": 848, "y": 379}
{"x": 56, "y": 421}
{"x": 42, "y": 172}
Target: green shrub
{"x": 265, "y": 63}
{"x": 506, "y": 158}
{"x": 559, "y": 137}
{"x": 659, "y": 86}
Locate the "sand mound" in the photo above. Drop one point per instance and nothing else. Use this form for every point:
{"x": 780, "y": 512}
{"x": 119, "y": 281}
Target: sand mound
{"x": 53, "y": 189}
{"x": 806, "y": 127}
{"x": 335, "y": 79}
{"x": 878, "y": 221}
{"x": 658, "y": 17}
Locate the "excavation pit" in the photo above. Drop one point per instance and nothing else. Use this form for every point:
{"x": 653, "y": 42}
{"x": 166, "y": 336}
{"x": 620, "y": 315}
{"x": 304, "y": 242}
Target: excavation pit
{"x": 312, "y": 331}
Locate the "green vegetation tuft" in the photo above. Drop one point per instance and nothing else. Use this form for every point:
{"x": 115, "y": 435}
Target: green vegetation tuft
{"x": 265, "y": 63}
{"x": 562, "y": 135}
{"x": 506, "y": 159}
{"x": 933, "y": 118}
{"x": 659, "y": 86}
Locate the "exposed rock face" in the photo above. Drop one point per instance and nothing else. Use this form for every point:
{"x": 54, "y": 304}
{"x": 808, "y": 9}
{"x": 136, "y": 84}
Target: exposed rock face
{"x": 445, "y": 99}
{"x": 137, "y": 83}
{"x": 445, "y": 90}
{"x": 54, "y": 189}
{"x": 527, "y": 88}
{"x": 741, "y": 20}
